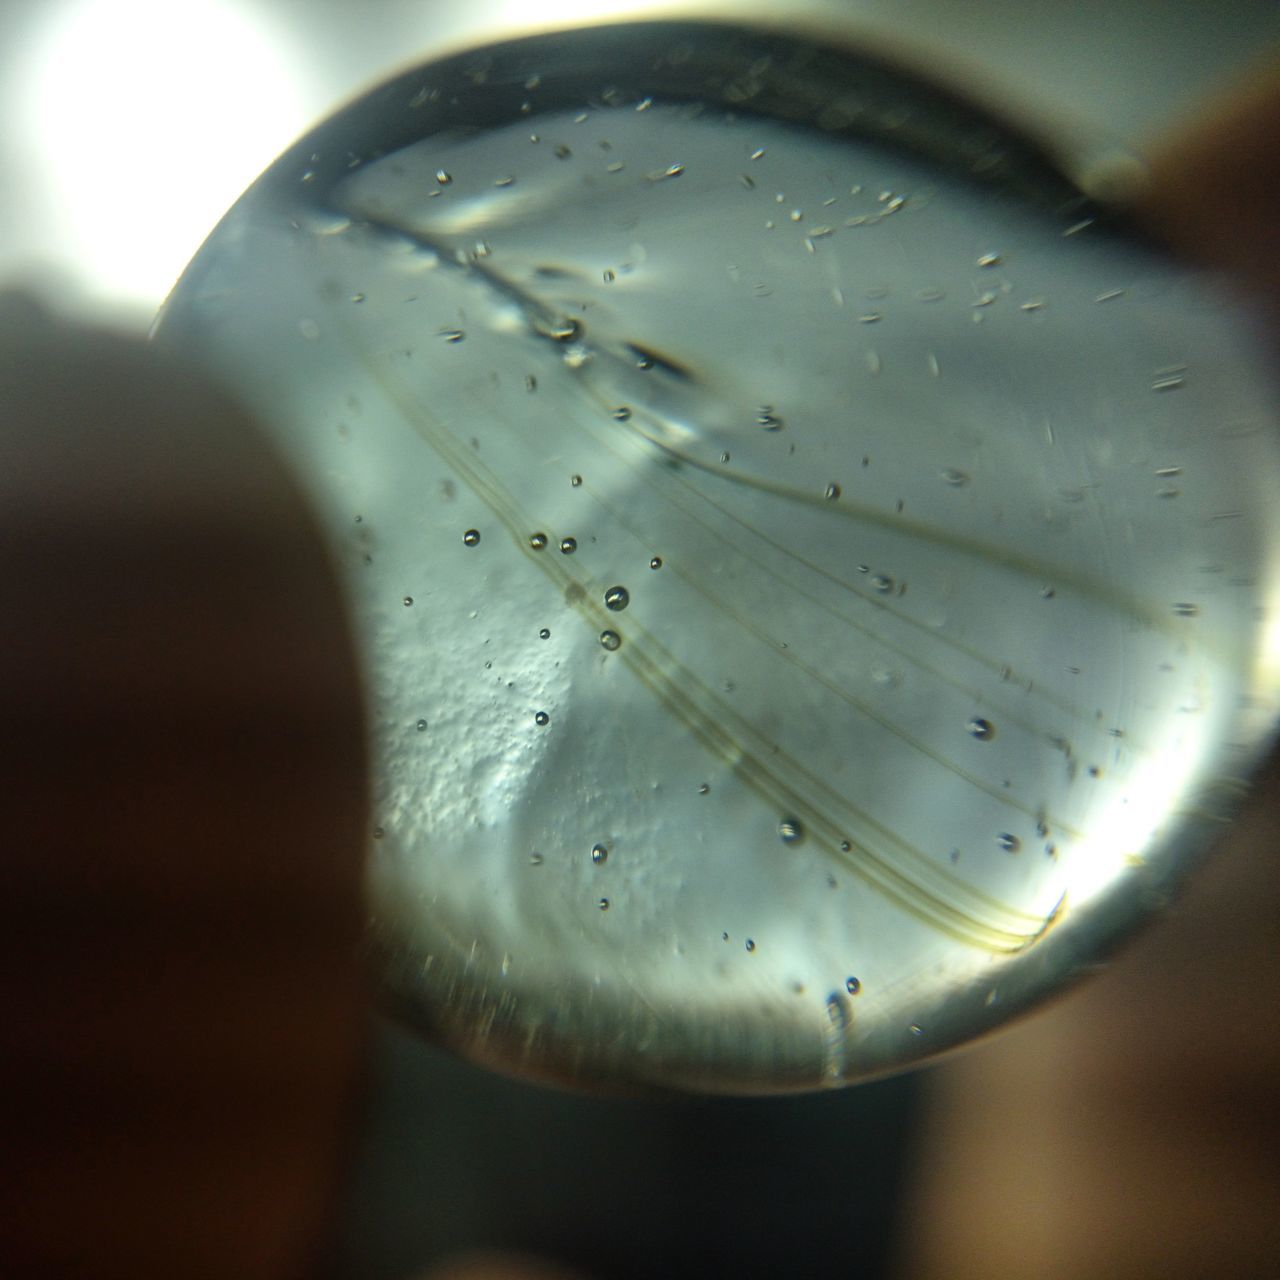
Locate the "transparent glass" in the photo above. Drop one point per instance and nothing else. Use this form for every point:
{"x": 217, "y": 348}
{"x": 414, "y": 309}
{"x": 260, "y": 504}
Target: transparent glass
{"x": 815, "y": 571}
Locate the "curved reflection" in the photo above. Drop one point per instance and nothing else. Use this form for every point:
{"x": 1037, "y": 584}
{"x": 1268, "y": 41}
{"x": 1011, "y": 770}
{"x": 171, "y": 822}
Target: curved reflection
{"x": 872, "y": 547}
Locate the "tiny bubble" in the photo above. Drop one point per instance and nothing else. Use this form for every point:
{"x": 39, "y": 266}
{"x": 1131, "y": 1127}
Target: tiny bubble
{"x": 599, "y": 854}
{"x": 981, "y": 729}
{"x": 610, "y": 640}
{"x": 542, "y": 718}
{"x": 471, "y": 538}
{"x": 845, "y": 846}
{"x": 882, "y": 583}
{"x": 378, "y": 833}
{"x": 603, "y": 904}
{"x": 535, "y": 859}
{"x": 568, "y": 546}
{"x": 452, "y": 335}
{"x": 953, "y": 476}
{"x": 852, "y": 986}
{"x": 704, "y": 788}
{"x": 617, "y": 598}
{"x": 1009, "y": 843}
{"x": 656, "y": 562}
{"x": 422, "y": 726}
{"x": 530, "y": 382}
{"x": 544, "y": 634}
{"x": 408, "y": 602}
{"x": 622, "y": 413}
{"x": 832, "y": 492}
{"x": 990, "y": 260}
{"x": 443, "y": 177}
{"x": 538, "y": 541}
{"x": 575, "y": 481}
{"x": 751, "y": 944}
{"x": 790, "y": 830}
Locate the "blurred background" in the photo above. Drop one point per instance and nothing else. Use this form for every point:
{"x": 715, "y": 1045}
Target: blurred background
{"x": 127, "y": 127}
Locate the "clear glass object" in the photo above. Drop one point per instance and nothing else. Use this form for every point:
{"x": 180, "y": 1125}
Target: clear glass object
{"x": 814, "y": 570}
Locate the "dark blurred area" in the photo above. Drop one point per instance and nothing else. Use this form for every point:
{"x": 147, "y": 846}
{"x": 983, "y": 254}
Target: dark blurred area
{"x": 456, "y": 1160}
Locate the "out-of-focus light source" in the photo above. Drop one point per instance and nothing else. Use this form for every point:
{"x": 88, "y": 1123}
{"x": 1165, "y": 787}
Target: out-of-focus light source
{"x": 146, "y": 119}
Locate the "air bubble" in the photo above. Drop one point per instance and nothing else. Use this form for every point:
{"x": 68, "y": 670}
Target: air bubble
{"x": 1009, "y": 843}
{"x": 471, "y": 538}
{"x": 704, "y": 788}
{"x": 767, "y": 418}
{"x": 575, "y": 481}
{"x": 536, "y": 859}
{"x": 981, "y": 729}
{"x": 443, "y": 177}
{"x": 622, "y": 413}
{"x": 953, "y": 476}
{"x": 751, "y": 944}
{"x": 610, "y": 640}
{"x": 852, "y": 986}
{"x": 990, "y": 260}
{"x": 790, "y": 831}
{"x": 617, "y": 598}
{"x": 538, "y": 541}
{"x": 422, "y": 726}
{"x": 603, "y": 904}
{"x": 407, "y": 602}
{"x": 656, "y": 562}
{"x": 881, "y": 583}
{"x": 452, "y": 335}
{"x": 832, "y": 492}
{"x": 599, "y": 854}
{"x": 544, "y": 633}
{"x": 1185, "y": 609}
{"x": 541, "y": 718}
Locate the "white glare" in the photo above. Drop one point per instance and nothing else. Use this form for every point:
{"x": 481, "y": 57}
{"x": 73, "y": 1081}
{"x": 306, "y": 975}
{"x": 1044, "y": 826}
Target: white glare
{"x": 148, "y": 118}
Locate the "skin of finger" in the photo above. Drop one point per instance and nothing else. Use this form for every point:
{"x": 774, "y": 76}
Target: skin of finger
{"x": 183, "y": 819}
{"x": 1214, "y": 186}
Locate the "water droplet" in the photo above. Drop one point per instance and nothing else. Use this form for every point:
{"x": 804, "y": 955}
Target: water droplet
{"x": 538, "y": 541}
{"x": 542, "y": 718}
{"x": 790, "y": 830}
{"x": 1009, "y": 843}
{"x": 603, "y": 904}
{"x": 568, "y": 546}
{"x": 981, "y": 729}
{"x": 852, "y": 986}
{"x": 408, "y": 602}
{"x": 990, "y": 260}
{"x": 422, "y": 726}
{"x": 610, "y": 640}
{"x": 471, "y": 538}
{"x": 656, "y": 562}
{"x": 953, "y": 476}
{"x": 575, "y": 481}
{"x": 832, "y": 492}
{"x": 545, "y": 633}
{"x": 617, "y": 598}
{"x": 536, "y": 859}
{"x": 599, "y": 854}
{"x": 443, "y": 177}
{"x": 622, "y": 413}
{"x": 452, "y": 335}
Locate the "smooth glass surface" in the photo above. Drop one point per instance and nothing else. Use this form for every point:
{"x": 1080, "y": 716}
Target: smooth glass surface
{"x": 815, "y": 572}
